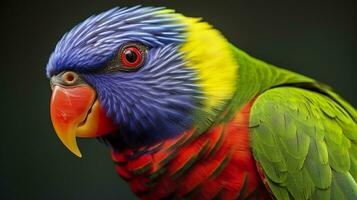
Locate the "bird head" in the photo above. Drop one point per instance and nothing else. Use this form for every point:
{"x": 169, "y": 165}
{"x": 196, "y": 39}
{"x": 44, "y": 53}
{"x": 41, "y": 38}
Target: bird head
{"x": 140, "y": 75}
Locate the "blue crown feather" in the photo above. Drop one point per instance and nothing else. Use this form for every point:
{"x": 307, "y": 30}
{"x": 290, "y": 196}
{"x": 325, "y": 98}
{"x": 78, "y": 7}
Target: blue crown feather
{"x": 93, "y": 42}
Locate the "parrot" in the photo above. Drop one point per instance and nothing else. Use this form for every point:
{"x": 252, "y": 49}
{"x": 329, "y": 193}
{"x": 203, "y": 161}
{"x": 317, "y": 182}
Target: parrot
{"x": 186, "y": 114}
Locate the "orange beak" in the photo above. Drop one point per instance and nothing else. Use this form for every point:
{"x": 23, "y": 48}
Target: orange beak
{"x": 75, "y": 112}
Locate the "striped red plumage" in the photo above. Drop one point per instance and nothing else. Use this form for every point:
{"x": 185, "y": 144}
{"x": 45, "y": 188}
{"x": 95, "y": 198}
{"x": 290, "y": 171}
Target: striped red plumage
{"x": 218, "y": 163}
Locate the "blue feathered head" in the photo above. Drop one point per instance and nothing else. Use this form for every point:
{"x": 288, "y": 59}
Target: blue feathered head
{"x": 148, "y": 72}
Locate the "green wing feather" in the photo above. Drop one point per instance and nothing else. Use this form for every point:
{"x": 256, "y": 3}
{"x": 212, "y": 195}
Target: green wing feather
{"x": 306, "y": 143}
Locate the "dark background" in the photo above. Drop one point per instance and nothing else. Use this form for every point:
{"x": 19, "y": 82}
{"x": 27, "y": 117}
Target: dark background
{"x": 317, "y": 39}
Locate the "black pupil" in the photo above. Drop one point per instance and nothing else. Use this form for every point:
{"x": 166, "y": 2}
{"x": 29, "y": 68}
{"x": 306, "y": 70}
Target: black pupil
{"x": 131, "y": 56}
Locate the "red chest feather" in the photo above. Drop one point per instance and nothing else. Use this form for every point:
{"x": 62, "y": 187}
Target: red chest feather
{"x": 216, "y": 164}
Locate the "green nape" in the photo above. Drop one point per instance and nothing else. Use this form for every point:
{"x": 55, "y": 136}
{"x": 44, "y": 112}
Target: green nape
{"x": 255, "y": 77}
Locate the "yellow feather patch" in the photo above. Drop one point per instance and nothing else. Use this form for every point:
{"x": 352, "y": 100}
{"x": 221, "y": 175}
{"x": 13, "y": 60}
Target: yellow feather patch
{"x": 208, "y": 53}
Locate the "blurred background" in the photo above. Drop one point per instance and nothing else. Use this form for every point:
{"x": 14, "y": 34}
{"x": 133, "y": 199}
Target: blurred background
{"x": 315, "y": 38}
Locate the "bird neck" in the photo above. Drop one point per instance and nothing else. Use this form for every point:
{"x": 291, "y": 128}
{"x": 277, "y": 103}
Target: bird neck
{"x": 255, "y": 77}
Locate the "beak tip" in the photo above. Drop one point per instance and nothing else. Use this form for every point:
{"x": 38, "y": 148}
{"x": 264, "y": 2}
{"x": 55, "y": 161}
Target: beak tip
{"x": 74, "y": 149}
{"x": 78, "y": 154}
{"x": 69, "y": 140}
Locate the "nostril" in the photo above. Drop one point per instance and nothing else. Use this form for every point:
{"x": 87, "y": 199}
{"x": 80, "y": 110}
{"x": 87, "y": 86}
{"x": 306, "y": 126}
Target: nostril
{"x": 69, "y": 77}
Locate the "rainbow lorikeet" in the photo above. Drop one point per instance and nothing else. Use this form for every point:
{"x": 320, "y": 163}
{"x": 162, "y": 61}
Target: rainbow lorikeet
{"x": 188, "y": 115}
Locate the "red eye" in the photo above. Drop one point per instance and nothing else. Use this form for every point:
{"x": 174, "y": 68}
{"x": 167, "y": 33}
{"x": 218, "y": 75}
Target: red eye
{"x": 131, "y": 57}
